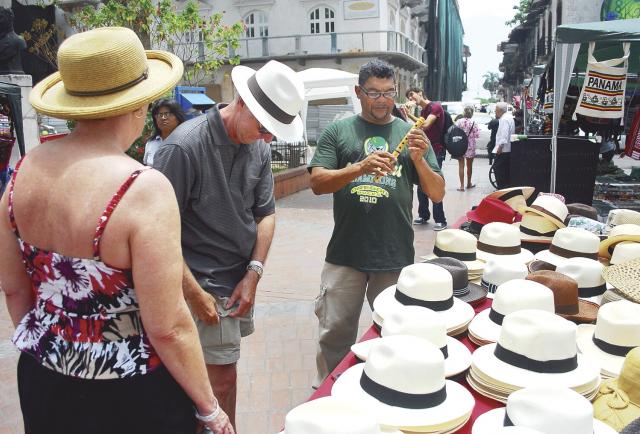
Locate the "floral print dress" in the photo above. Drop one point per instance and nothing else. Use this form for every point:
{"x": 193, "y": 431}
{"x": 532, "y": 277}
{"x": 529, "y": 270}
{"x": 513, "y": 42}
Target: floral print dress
{"x": 86, "y": 320}
{"x": 470, "y": 127}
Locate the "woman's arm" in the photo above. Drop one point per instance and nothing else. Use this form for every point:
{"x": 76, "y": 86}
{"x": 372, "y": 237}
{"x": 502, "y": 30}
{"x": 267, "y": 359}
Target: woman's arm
{"x": 156, "y": 259}
{"x": 14, "y": 281}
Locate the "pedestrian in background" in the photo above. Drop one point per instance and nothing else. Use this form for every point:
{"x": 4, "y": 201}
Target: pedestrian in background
{"x": 506, "y": 128}
{"x": 106, "y": 339}
{"x": 220, "y": 167}
{"x": 493, "y": 128}
{"x": 372, "y": 239}
{"x": 434, "y": 114}
{"x": 471, "y": 129}
{"x": 166, "y": 115}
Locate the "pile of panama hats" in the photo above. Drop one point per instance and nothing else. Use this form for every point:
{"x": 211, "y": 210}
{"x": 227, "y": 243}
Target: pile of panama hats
{"x": 565, "y": 296}
{"x": 543, "y": 218}
{"x": 548, "y": 409}
{"x": 403, "y": 385}
{"x": 627, "y": 232}
{"x": 425, "y": 285}
{"x": 463, "y": 289}
{"x": 488, "y": 211}
{"x": 501, "y": 241}
{"x": 511, "y": 296}
{"x": 535, "y": 348}
{"x": 615, "y": 334}
{"x": 569, "y": 243}
{"x": 588, "y": 274}
{"x": 515, "y": 197}
{"x": 426, "y": 324}
{"x": 329, "y": 415}
{"x": 499, "y": 271}
{"x": 461, "y": 245}
{"x": 618, "y": 400}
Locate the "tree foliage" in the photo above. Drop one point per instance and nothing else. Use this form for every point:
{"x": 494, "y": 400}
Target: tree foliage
{"x": 522, "y": 9}
{"x": 491, "y": 81}
{"x": 203, "y": 43}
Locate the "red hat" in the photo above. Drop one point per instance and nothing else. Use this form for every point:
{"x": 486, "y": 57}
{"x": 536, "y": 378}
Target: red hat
{"x": 492, "y": 210}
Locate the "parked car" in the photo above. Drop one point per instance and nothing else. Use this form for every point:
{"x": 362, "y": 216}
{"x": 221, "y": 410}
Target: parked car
{"x": 482, "y": 120}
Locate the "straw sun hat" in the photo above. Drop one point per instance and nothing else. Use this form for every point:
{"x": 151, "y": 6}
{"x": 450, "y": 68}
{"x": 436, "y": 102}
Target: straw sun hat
{"x": 103, "y": 73}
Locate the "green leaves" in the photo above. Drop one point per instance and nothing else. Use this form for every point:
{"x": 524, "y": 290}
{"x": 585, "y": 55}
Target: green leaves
{"x": 522, "y": 10}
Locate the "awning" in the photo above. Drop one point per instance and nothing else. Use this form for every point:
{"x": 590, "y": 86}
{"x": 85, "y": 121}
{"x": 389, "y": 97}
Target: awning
{"x": 198, "y": 99}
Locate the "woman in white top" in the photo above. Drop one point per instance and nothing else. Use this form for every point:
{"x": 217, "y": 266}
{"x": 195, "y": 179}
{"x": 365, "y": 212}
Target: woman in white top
{"x": 166, "y": 115}
{"x": 471, "y": 128}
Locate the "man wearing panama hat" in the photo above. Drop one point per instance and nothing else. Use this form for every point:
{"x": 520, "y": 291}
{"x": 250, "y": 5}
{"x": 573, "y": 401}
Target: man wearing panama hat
{"x": 220, "y": 168}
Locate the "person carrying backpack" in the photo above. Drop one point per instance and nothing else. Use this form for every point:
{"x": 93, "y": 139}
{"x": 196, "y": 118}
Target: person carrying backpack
{"x": 435, "y": 127}
{"x": 471, "y": 130}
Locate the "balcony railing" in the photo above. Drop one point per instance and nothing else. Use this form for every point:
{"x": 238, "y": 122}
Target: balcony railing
{"x": 327, "y": 44}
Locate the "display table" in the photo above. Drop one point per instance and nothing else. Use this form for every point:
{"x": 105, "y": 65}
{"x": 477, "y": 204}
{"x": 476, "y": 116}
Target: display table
{"x": 483, "y": 404}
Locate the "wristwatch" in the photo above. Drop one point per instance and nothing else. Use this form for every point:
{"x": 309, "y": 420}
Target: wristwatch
{"x": 256, "y": 266}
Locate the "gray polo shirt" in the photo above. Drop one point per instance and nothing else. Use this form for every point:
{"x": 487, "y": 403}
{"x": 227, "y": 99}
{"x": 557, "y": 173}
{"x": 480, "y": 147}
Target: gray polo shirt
{"x": 221, "y": 189}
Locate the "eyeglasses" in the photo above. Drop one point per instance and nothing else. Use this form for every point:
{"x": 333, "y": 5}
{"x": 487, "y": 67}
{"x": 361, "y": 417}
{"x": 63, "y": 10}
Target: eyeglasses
{"x": 374, "y": 94}
{"x": 262, "y": 129}
{"x": 164, "y": 115}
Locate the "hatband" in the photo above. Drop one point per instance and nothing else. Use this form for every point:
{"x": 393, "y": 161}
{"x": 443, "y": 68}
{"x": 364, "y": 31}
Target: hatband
{"x": 457, "y": 255}
{"x": 546, "y": 212}
{"x": 616, "y": 350}
{"x": 547, "y": 366}
{"x": 396, "y": 398}
{"x": 497, "y": 250}
{"x": 266, "y": 102}
{"x": 566, "y": 253}
{"x": 593, "y": 291}
{"x": 526, "y": 230}
{"x": 491, "y": 287}
{"x": 122, "y": 87}
{"x": 513, "y": 193}
{"x": 437, "y": 305}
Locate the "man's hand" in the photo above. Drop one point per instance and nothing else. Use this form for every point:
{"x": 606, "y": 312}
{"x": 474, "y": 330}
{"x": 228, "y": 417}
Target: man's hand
{"x": 499, "y": 150}
{"x": 418, "y": 144}
{"x": 245, "y": 292}
{"x": 203, "y": 305}
{"x": 378, "y": 163}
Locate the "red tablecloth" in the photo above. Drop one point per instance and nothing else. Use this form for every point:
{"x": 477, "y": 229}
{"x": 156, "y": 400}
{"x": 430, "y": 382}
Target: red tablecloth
{"x": 483, "y": 404}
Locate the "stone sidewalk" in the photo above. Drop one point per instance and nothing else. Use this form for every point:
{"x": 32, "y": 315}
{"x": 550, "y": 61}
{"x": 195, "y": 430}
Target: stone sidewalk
{"x": 278, "y": 361}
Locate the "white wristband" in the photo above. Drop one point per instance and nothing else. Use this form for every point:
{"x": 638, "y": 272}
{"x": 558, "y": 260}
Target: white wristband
{"x": 209, "y": 417}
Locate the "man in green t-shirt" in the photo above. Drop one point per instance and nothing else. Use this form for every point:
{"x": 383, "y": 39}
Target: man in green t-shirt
{"x": 372, "y": 190}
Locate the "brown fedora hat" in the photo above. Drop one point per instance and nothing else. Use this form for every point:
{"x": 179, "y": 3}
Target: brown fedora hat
{"x": 565, "y": 296}
{"x": 463, "y": 289}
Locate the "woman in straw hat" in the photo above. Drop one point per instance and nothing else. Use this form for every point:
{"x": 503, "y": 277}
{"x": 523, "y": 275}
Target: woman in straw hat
{"x": 94, "y": 292}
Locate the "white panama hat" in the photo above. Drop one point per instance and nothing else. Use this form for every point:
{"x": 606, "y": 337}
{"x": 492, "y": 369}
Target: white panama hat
{"x": 275, "y": 95}
{"x": 570, "y": 243}
{"x": 625, "y": 251}
{"x": 551, "y": 208}
{"x": 499, "y": 271}
{"x": 500, "y": 240}
{"x": 551, "y": 410}
{"x": 588, "y": 273}
{"x": 423, "y": 323}
{"x": 403, "y": 385}
{"x": 330, "y": 415}
{"x": 625, "y": 232}
{"x": 615, "y": 333}
{"x": 536, "y": 348}
{"x": 458, "y": 244}
{"x": 511, "y": 296}
{"x": 426, "y": 285}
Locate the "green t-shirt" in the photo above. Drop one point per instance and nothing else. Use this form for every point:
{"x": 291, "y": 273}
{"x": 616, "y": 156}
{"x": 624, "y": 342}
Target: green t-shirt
{"x": 372, "y": 229}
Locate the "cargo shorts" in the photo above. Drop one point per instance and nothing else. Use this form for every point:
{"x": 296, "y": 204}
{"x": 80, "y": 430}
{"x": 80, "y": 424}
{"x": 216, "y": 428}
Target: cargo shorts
{"x": 221, "y": 342}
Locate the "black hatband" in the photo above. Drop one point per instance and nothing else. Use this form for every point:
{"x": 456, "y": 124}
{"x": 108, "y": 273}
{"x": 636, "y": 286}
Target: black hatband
{"x": 438, "y": 306}
{"x": 614, "y": 350}
{"x": 545, "y": 367}
{"x": 266, "y": 102}
{"x": 401, "y": 399}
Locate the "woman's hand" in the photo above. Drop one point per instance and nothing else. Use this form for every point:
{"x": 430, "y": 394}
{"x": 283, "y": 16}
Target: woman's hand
{"x": 221, "y": 424}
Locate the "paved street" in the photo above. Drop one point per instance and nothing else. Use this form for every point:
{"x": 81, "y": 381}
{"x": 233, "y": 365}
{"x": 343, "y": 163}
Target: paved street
{"x": 278, "y": 361}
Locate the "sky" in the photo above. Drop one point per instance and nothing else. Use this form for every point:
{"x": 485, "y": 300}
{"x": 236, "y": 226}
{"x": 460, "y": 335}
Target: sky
{"x": 484, "y": 27}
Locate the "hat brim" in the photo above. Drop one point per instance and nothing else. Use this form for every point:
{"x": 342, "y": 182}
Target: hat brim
{"x": 608, "y": 362}
{"x": 288, "y": 132}
{"x": 476, "y": 265}
{"x": 534, "y": 238}
{"x": 458, "y": 405}
{"x": 587, "y": 372}
{"x": 587, "y": 312}
{"x": 458, "y": 361}
{"x": 551, "y": 258}
{"x": 458, "y": 315}
{"x": 603, "y": 250}
{"x": 491, "y": 421}
{"x": 50, "y": 97}
{"x": 525, "y": 256}
{"x": 483, "y": 328}
{"x": 538, "y": 265}
{"x": 526, "y": 192}
{"x": 476, "y": 295}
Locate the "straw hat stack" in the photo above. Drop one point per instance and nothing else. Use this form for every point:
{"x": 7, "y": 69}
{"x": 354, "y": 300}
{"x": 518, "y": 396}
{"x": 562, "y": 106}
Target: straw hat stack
{"x": 535, "y": 348}
{"x": 543, "y": 218}
{"x": 623, "y": 281}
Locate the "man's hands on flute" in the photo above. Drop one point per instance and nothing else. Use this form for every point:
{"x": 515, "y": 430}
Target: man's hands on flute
{"x": 378, "y": 163}
{"x": 418, "y": 144}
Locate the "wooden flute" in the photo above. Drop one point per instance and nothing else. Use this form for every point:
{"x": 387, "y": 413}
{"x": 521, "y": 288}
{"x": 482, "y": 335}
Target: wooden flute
{"x": 396, "y": 152}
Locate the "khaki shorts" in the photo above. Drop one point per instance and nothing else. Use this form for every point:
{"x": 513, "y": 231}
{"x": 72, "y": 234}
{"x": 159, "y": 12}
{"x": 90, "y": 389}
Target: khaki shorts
{"x": 221, "y": 342}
